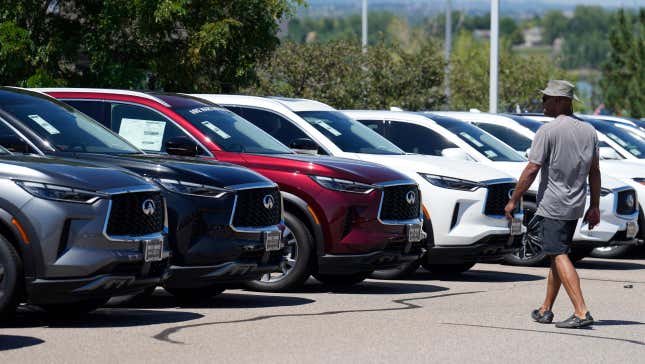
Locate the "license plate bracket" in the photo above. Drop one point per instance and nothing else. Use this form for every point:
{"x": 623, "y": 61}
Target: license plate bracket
{"x": 414, "y": 232}
{"x": 272, "y": 240}
{"x": 515, "y": 225}
{"x": 632, "y": 229}
{"x": 152, "y": 250}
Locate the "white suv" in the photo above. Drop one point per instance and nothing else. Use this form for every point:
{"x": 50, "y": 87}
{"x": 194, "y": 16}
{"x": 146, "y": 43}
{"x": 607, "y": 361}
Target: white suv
{"x": 463, "y": 201}
{"x": 438, "y": 134}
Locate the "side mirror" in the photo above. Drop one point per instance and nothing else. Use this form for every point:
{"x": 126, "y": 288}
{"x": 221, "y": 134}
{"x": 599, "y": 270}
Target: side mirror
{"x": 14, "y": 144}
{"x": 183, "y": 146}
{"x": 609, "y": 153}
{"x": 304, "y": 146}
{"x": 456, "y": 153}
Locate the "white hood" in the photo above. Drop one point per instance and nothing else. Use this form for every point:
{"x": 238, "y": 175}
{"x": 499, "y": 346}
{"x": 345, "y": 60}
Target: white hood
{"x": 623, "y": 168}
{"x": 416, "y": 163}
{"x": 515, "y": 169}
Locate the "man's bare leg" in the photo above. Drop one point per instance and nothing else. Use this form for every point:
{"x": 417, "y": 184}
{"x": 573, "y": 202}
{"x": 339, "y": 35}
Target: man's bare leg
{"x": 552, "y": 288}
{"x": 571, "y": 282}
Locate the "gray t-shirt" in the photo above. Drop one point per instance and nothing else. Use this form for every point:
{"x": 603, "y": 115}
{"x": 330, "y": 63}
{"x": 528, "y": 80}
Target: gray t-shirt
{"x": 564, "y": 148}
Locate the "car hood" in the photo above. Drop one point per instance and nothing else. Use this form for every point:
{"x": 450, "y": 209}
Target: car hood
{"x": 416, "y": 163}
{"x": 70, "y": 173}
{"x": 350, "y": 169}
{"x": 515, "y": 169}
{"x": 623, "y": 168}
{"x": 193, "y": 170}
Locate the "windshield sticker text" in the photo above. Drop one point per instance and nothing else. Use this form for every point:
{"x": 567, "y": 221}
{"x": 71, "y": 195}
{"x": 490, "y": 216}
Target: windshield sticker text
{"x": 44, "y": 124}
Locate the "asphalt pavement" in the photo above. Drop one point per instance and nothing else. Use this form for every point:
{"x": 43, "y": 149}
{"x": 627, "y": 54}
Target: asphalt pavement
{"x": 480, "y": 317}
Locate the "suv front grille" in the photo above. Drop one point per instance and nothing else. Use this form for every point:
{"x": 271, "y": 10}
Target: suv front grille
{"x": 127, "y": 217}
{"x": 626, "y": 202}
{"x": 396, "y": 206}
{"x": 251, "y": 210}
{"x": 497, "y": 198}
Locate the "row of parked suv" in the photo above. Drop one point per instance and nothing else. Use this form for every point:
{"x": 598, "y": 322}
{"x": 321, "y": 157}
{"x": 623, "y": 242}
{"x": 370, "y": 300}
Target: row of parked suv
{"x": 112, "y": 192}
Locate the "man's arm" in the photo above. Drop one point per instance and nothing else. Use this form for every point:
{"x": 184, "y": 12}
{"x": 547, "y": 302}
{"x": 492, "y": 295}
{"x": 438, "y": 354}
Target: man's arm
{"x": 526, "y": 180}
{"x": 592, "y": 217}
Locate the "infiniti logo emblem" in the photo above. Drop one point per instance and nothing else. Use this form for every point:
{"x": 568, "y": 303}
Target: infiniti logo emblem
{"x": 148, "y": 207}
{"x": 411, "y": 197}
{"x": 268, "y": 202}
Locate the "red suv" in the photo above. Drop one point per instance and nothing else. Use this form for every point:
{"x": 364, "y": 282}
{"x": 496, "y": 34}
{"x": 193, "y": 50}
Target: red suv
{"x": 344, "y": 218}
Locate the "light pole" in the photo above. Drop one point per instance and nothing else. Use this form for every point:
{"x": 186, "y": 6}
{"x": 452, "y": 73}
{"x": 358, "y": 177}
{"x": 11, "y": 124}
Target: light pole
{"x": 364, "y": 26}
{"x": 494, "y": 54}
{"x": 448, "y": 47}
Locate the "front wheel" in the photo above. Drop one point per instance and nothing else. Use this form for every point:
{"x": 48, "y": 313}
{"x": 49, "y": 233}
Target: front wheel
{"x": 530, "y": 253}
{"x": 10, "y": 279}
{"x": 613, "y": 251}
{"x": 342, "y": 280}
{"x": 295, "y": 267}
{"x": 447, "y": 269}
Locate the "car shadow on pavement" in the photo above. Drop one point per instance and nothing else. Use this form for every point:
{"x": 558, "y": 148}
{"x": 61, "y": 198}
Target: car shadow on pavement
{"x": 10, "y": 342}
{"x": 474, "y": 275}
{"x": 369, "y": 287}
{"x": 104, "y": 317}
{"x": 608, "y": 265}
{"x": 162, "y": 299}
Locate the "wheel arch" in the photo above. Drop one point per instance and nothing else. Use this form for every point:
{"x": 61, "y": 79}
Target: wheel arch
{"x": 298, "y": 207}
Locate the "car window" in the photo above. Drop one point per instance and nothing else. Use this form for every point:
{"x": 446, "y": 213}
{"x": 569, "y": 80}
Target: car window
{"x": 349, "y": 135}
{"x": 97, "y": 110}
{"x": 376, "y": 125}
{"x": 230, "y": 131}
{"x": 10, "y": 140}
{"x": 629, "y": 138}
{"x": 516, "y": 140}
{"x": 63, "y": 127}
{"x": 486, "y": 144}
{"x": 417, "y": 139}
{"x": 143, "y": 127}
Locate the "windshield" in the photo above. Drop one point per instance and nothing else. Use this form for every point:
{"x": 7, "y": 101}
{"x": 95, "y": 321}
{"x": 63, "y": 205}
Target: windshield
{"x": 532, "y": 125}
{"x": 629, "y": 138}
{"x": 4, "y": 151}
{"x": 516, "y": 140}
{"x": 483, "y": 142}
{"x": 231, "y": 132}
{"x": 349, "y": 135}
{"x": 62, "y": 127}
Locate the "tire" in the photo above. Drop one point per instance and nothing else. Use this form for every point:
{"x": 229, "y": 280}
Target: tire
{"x": 342, "y": 280}
{"x": 191, "y": 295}
{"x": 447, "y": 269}
{"x": 530, "y": 253}
{"x": 297, "y": 264}
{"x": 400, "y": 272}
{"x": 11, "y": 279}
{"x": 74, "y": 309}
{"x": 610, "y": 252}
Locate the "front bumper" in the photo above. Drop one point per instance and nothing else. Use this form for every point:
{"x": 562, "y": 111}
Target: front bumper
{"x": 69, "y": 290}
{"x": 490, "y": 249}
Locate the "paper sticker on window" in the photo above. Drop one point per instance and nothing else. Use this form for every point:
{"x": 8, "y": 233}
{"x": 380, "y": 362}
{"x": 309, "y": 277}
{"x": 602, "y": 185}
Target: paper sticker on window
{"x": 490, "y": 154}
{"x": 471, "y": 139}
{"x": 144, "y": 134}
{"x": 635, "y": 152}
{"x": 44, "y": 124}
{"x": 216, "y": 130}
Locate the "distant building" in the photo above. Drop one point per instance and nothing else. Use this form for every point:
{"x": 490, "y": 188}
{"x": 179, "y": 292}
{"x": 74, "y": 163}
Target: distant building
{"x": 481, "y": 33}
{"x": 532, "y": 36}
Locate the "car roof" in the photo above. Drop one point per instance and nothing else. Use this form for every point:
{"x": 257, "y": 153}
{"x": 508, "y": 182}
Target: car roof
{"x": 381, "y": 114}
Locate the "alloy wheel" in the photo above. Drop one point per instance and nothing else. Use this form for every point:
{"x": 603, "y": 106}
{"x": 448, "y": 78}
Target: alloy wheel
{"x": 288, "y": 261}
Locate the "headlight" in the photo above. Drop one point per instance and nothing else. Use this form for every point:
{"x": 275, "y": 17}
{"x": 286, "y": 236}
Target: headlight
{"x": 60, "y": 193}
{"x": 337, "y": 184}
{"x": 452, "y": 183}
{"x": 189, "y": 188}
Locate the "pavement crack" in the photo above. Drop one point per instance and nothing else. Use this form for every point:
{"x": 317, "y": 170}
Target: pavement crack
{"x": 636, "y": 342}
{"x": 165, "y": 334}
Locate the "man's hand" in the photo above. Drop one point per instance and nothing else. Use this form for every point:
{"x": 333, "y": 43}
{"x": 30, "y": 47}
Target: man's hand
{"x": 592, "y": 217}
{"x": 508, "y": 210}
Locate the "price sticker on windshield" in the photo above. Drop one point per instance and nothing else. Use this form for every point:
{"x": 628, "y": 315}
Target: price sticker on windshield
{"x": 216, "y": 130}
{"x": 44, "y": 124}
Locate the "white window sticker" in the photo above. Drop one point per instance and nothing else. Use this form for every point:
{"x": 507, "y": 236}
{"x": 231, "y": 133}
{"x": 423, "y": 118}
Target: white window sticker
{"x": 216, "y": 130}
{"x": 44, "y": 124}
{"x": 490, "y": 153}
{"x": 144, "y": 134}
{"x": 472, "y": 140}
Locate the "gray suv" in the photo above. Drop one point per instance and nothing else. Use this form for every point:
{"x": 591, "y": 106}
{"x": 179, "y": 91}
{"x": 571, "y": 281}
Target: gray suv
{"x": 73, "y": 234}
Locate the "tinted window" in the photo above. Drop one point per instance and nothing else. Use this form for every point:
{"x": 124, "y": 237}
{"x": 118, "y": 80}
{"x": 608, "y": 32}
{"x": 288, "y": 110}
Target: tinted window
{"x": 231, "y": 132}
{"x": 417, "y": 139}
{"x": 630, "y": 138}
{"x": 97, "y": 110}
{"x": 483, "y": 142}
{"x": 143, "y": 127}
{"x": 63, "y": 127}
{"x": 532, "y": 125}
{"x": 516, "y": 140}
{"x": 272, "y": 123}
{"x": 378, "y": 126}
{"x": 349, "y": 135}
{"x": 12, "y": 141}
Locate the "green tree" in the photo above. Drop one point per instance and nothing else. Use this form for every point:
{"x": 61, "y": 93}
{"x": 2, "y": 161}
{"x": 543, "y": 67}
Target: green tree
{"x": 554, "y": 24}
{"x": 624, "y": 72}
{"x": 174, "y": 45}
{"x": 340, "y": 74}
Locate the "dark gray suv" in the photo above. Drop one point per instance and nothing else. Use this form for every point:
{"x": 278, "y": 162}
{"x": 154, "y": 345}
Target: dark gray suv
{"x": 73, "y": 234}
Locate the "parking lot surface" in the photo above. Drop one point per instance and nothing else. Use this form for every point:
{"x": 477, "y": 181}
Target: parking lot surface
{"x": 482, "y": 316}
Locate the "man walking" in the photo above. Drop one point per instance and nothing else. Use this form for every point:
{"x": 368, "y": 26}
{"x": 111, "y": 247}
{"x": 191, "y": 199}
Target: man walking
{"x": 565, "y": 151}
